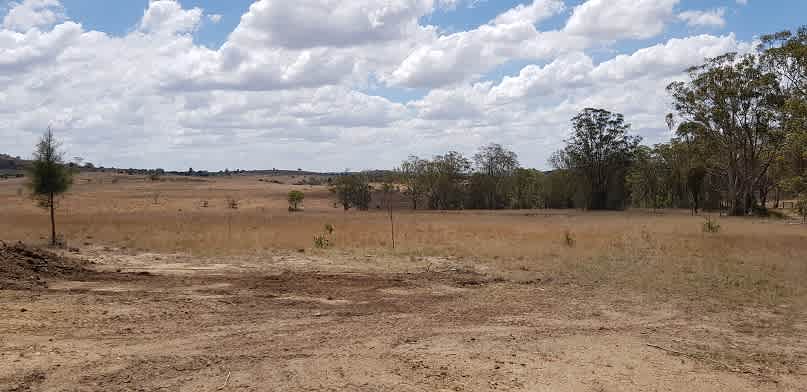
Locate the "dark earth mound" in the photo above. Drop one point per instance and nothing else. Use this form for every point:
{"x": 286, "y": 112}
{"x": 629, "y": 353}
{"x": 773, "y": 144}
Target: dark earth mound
{"x": 24, "y": 267}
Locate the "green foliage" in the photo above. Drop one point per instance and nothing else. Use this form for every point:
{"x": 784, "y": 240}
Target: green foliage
{"x": 295, "y": 198}
{"x": 444, "y": 179}
{"x": 644, "y": 179}
{"x": 412, "y": 174}
{"x": 352, "y": 191}
{"x": 528, "y": 189}
{"x": 492, "y": 185}
{"x": 323, "y": 241}
{"x": 560, "y": 189}
{"x": 733, "y": 104}
{"x": 599, "y": 153}
{"x": 49, "y": 176}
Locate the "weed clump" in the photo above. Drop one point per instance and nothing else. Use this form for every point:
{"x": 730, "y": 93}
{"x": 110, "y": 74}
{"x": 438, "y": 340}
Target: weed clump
{"x": 711, "y": 226}
{"x": 323, "y": 240}
{"x": 568, "y": 239}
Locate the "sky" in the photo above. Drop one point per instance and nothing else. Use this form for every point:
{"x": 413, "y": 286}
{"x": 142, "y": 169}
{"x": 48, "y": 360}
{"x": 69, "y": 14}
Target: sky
{"x": 362, "y": 84}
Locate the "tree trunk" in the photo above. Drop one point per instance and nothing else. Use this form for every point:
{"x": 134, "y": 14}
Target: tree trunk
{"x": 776, "y": 196}
{"x": 52, "y": 220}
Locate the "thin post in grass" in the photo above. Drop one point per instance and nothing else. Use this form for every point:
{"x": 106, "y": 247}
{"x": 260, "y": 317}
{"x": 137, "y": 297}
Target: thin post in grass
{"x": 391, "y": 224}
{"x": 387, "y": 188}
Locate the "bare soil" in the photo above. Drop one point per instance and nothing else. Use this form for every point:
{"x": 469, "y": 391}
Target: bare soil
{"x": 339, "y": 322}
{"x": 26, "y": 267}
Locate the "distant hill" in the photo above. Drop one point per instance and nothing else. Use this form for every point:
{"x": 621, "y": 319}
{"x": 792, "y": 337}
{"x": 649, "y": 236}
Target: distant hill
{"x": 15, "y": 165}
{"x": 12, "y": 165}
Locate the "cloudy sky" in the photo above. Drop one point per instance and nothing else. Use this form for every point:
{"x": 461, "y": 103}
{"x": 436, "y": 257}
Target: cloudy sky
{"x": 335, "y": 84}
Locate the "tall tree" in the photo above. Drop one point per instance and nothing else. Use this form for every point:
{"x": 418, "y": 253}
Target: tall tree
{"x": 599, "y": 152}
{"x": 412, "y": 175}
{"x": 49, "y": 176}
{"x": 444, "y": 179}
{"x": 645, "y": 179}
{"x": 735, "y": 104}
{"x": 492, "y": 184}
{"x": 528, "y": 189}
{"x": 785, "y": 54}
{"x": 352, "y": 190}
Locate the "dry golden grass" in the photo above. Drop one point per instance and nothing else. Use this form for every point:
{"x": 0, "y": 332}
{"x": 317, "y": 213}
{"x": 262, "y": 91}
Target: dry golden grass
{"x": 667, "y": 253}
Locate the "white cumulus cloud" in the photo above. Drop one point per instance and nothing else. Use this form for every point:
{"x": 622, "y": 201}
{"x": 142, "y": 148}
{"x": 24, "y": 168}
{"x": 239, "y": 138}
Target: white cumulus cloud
{"x": 709, "y": 18}
{"x": 33, "y": 13}
{"x": 618, "y": 19}
{"x": 335, "y": 93}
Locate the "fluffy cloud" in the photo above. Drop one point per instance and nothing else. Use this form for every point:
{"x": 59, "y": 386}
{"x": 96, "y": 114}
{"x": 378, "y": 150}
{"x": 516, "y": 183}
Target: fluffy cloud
{"x": 618, "y": 19}
{"x": 21, "y": 51}
{"x": 168, "y": 17}
{"x": 465, "y": 55}
{"x": 531, "y": 13}
{"x": 315, "y": 23}
{"x": 33, "y": 13}
{"x": 271, "y": 97}
{"x": 711, "y": 18}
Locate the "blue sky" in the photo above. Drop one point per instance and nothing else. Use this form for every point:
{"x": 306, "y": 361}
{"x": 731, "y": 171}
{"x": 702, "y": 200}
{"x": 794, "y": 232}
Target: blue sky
{"x": 323, "y": 85}
{"x": 747, "y": 21}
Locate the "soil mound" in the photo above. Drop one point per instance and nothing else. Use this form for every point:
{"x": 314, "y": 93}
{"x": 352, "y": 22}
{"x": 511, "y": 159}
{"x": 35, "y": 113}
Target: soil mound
{"x": 24, "y": 267}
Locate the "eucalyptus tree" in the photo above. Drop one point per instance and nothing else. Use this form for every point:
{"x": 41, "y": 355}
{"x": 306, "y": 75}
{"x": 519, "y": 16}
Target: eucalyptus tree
{"x": 599, "y": 152}
{"x": 735, "y": 104}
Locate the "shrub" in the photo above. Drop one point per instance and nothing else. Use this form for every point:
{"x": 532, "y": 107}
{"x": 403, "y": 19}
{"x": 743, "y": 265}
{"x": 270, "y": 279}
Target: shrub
{"x": 352, "y": 191}
{"x": 710, "y": 226}
{"x": 323, "y": 241}
{"x": 295, "y": 199}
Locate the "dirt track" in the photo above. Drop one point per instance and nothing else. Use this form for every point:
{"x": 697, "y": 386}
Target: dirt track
{"x": 300, "y": 322}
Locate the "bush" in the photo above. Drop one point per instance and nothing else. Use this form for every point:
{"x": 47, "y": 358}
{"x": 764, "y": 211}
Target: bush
{"x": 323, "y": 241}
{"x": 352, "y": 191}
{"x": 295, "y": 199}
{"x": 710, "y": 226}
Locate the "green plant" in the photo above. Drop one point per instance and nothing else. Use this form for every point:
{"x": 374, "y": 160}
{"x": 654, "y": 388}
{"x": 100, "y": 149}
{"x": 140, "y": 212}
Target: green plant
{"x": 710, "y": 226}
{"x": 323, "y": 241}
{"x": 295, "y": 198}
{"x": 352, "y": 191}
{"x": 49, "y": 177}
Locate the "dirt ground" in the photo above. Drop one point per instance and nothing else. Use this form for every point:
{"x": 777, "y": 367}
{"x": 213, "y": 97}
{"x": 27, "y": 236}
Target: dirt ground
{"x": 157, "y": 292}
{"x": 342, "y": 322}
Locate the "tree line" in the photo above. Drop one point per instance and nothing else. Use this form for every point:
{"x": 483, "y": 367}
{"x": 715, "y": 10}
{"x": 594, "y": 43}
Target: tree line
{"x": 740, "y": 144}
{"x": 740, "y": 126}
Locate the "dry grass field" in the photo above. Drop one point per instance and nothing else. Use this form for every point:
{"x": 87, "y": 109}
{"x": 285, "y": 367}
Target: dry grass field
{"x": 239, "y": 299}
